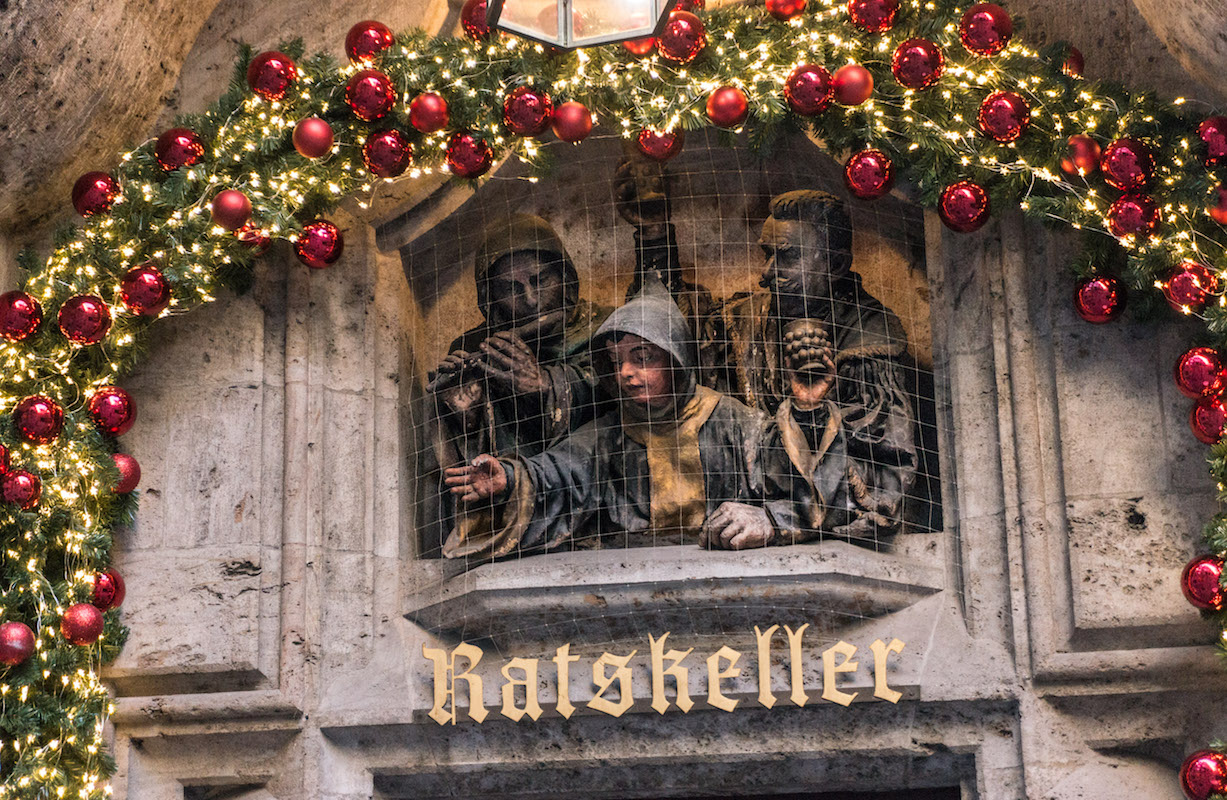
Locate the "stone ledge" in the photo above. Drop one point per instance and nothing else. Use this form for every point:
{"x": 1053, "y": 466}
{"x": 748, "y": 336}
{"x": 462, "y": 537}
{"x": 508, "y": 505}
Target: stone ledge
{"x": 609, "y": 595}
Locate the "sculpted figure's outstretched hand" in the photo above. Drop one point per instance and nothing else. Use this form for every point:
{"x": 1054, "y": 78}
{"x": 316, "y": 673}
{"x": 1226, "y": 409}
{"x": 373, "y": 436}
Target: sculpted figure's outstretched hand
{"x": 483, "y": 479}
{"x": 737, "y": 526}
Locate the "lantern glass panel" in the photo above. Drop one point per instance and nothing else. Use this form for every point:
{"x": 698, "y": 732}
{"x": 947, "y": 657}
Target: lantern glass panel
{"x": 612, "y": 19}
{"x": 534, "y": 18}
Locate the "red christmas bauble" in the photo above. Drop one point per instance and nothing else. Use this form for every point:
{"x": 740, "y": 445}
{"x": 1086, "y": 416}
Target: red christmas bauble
{"x": 1203, "y": 774}
{"x": 39, "y": 419}
{"x": 21, "y": 488}
{"x": 129, "y": 473}
{"x": 16, "y": 643}
{"x": 1218, "y": 207}
{"x": 1004, "y": 116}
{"x": 387, "y": 153}
{"x": 1074, "y": 64}
{"x": 964, "y": 206}
{"x": 82, "y": 624}
{"x": 1190, "y": 286}
{"x": 852, "y": 85}
{"x": 468, "y": 155}
{"x": 109, "y": 590}
{"x": 113, "y": 410}
{"x": 1207, "y": 419}
{"x": 527, "y": 111}
{"x": 869, "y": 174}
{"x": 1199, "y": 372}
{"x": 727, "y": 107}
{"x": 178, "y": 147}
{"x": 1213, "y": 132}
{"x": 785, "y": 10}
{"x": 370, "y": 94}
{"x": 231, "y": 209}
{"x": 572, "y": 122}
{"x": 917, "y": 63}
{"x": 367, "y": 39}
{"x": 144, "y": 290}
{"x": 1127, "y": 165}
{"x": 1081, "y": 157}
{"x": 320, "y": 244}
{"x": 270, "y": 74}
{"x": 986, "y": 29}
{"x": 255, "y": 239}
{"x": 428, "y": 113}
{"x": 1133, "y": 214}
{"x": 683, "y": 38}
{"x": 313, "y": 138}
{"x": 660, "y": 146}
{"x": 809, "y": 89}
{"x": 1099, "y": 298}
{"x": 20, "y": 315}
{"x": 640, "y": 47}
{"x": 84, "y": 319}
{"x": 473, "y": 20}
{"x": 874, "y": 16}
{"x": 94, "y": 193}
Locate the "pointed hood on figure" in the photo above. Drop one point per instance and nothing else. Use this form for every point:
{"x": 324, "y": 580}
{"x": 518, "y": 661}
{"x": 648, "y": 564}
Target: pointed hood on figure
{"x": 653, "y": 315}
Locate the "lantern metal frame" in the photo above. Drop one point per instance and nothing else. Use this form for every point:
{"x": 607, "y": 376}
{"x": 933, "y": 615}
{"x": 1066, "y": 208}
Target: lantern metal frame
{"x": 567, "y": 40}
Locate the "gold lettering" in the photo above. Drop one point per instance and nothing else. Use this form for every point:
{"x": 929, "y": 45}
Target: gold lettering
{"x": 680, "y": 674}
{"x": 881, "y": 652}
{"x": 798, "y": 697}
{"x": 715, "y": 697}
{"x": 830, "y": 669}
{"x": 445, "y": 682}
{"x": 564, "y": 660}
{"x": 622, "y": 675}
{"x": 766, "y": 697}
{"x": 532, "y": 707}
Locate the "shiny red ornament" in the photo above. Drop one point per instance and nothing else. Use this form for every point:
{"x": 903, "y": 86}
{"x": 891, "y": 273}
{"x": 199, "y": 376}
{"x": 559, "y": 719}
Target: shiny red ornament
{"x": 873, "y": 16}
{"x": 84, "y": 319}
{"x": 16, "y": 643}
{"x": 1190, "y": 286}
{"x": 370, "y": 94}
{"x": 255, "y": 239}
{"x": 1133, "y": 214}
{"x": 21, "y": 488}
{"x": 1213, "y": 131}
{"x": 82, "y": 624}
{"x": 109, "y": 590}
{"x": 20, "y": 315}
{"x": 1004, "y": 116}
{"x": 1127, "y": 165}
{"x": 270, "y": 74}
{"x": 473, "y": 20}
{"x": 94, "y": 193}
{"x": 1203, "y": 774}
{"x": 366, "y": 40}
{"x": 917, "y": 63}
{"x": 964, "y": 206}
{"x": 852, "y": 85}
{"x": 683, "y": 38}
{"x": 660, "y": 146}
{"x": 39, "y": 419}
{"x": 320, "y": 244}
{"x": 1199, "y": 372}
{"x": 640, "y": 47}
{"x": 428, "y": 113}
{"x": 572, "y": 122}
{"x": 809, "y": 89}
{"x": 986, "y": 29}
{"x": 1074, "y": 64}
{"x": 144, "y": 290}
{"x": 869, "y": 174}
{"x": 129, "y": 473}
{"x": 1099, "y": 298}
{"x": 1218, "y": 207}
{"x": 468, "y": 155}
{"x": 113, "y": 410}
{"x": 784, "y": 10}
{"x": 313, "y": 138}
{"x": 387, "y": 153}
{"x": 727, "y": 107}
{"x": 178, "y": 147}
{"x": 231, "y": 209}
{"x": 1081, "y": 156}
{"x": 1207, "y": 419}
{"x": 527, "y": 111}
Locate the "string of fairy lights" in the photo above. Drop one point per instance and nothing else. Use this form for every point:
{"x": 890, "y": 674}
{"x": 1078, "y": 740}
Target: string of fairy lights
{"x": 938, "y": 93}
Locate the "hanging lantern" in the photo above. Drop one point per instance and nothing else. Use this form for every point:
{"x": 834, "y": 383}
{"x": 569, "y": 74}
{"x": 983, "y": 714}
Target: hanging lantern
{"x": 579, "y": 23}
